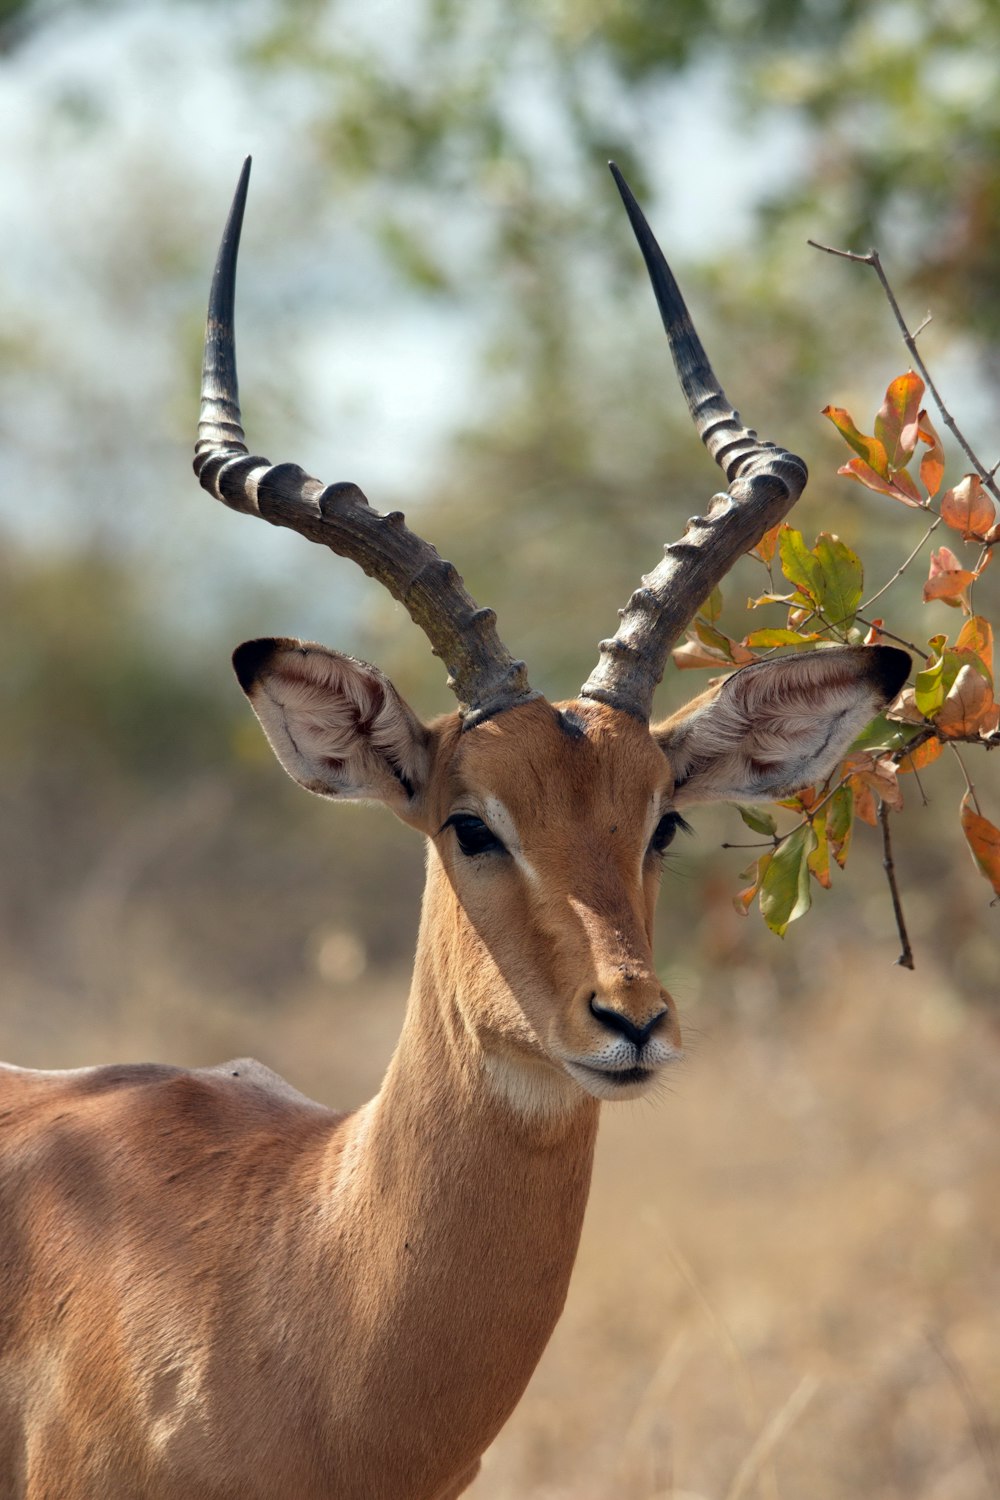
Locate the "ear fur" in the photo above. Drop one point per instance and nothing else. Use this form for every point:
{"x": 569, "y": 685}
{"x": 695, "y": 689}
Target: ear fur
{"x": 778, "y": 725}
{"x": 337, "y": 725}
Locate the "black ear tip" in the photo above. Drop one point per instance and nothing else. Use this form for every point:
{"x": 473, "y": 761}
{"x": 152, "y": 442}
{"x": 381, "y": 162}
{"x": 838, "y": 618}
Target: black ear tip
{"x": 892, "y": 668}
{"x": 250, "y": 659}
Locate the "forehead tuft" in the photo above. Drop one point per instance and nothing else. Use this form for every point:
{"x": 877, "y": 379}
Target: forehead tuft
{"x": 575, "y": 751}
{"x": 571, "y": 723}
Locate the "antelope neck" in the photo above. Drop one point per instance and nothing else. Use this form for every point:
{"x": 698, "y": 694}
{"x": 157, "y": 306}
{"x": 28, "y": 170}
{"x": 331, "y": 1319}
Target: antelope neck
{"x": 463, "y": 1219}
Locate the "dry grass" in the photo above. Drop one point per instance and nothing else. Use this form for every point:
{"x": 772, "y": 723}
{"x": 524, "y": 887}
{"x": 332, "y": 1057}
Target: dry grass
{"x": 789, "y": 1283}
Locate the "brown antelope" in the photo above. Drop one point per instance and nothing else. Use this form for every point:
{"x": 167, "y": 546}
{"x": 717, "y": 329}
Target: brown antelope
{"x": 212, "y": 1288}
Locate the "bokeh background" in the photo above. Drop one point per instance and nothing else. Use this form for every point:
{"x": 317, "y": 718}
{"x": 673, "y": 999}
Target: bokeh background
{"x": 789, "y": 1280}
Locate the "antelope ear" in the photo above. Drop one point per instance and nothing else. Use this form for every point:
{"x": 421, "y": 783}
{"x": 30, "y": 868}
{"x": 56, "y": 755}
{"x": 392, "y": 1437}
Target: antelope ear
{"x": 337, "y": 725}
{"x": 778, "y": 725}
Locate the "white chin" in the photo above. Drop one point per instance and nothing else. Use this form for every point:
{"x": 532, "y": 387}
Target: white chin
{"x": 604, "y": 1083}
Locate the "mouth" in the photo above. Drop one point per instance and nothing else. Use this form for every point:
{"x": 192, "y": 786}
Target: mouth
{"x": 619, "y": 1076}
{"x": 611, "y": 1083}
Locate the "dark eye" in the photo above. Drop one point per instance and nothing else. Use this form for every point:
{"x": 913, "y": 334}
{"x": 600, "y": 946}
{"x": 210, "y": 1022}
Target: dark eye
{"x": 664, "y": 832}
{"x": 473, "y": 835}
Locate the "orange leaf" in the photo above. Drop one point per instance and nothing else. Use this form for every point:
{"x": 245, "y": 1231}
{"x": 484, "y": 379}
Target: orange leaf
{"x": 874, "y": 632}
{"x": 768, "y": 545}
{"x": 947, "y": 579}
{"x": 923, "y": 755}
{"x": 967, "y": 704}
{"x": 879, "y": 773}
{"x": 758, "y": 870}
{"x": 899, "y": 485}
{"x": 896, "y": 425}
{"x": 968, "y": 508}
{"x": 977, "y": 635}
{"x": 932, "y": 463}
{"x": 984, "y": 841}
{"x": 864, "y": 802}
{"x": 871, "y": 450}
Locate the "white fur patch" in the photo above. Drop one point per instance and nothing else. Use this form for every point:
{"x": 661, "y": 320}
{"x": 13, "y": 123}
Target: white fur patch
{"x": 499, "y": 819}
{"x": 533, "y": 1090}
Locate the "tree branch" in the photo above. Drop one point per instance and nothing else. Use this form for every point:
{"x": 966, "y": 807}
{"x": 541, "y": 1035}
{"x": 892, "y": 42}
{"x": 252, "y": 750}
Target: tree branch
{"x": 909, "y": 339}
{"x": 905, "y": 959}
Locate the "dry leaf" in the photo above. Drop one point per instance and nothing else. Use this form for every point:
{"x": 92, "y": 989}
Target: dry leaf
{"x": 903, "y": 709}
{"x": 899, "y": 485}
{"x": 968, "y": 508}
{"x": 947, "y": 579}
{"x": 932, "y": 463}
{"x": 967, "y": 704}
{"x": 879, "y": 773}
{"x": 977, "y": 635}
{"x": 864, "y": 802}
{"x": 923, "y": 755}
{"x": 984, "y": 841}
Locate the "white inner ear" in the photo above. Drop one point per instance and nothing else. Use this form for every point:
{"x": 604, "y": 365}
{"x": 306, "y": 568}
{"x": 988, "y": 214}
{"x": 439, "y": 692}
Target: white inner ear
{"x": 338, "y": 726}
{"x": 770, "y": 729}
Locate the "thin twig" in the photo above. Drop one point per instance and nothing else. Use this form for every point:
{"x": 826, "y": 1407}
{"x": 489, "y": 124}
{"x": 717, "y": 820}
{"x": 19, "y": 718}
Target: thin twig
{"x": 968, "y": 783}
{"x": 905, "y": 959}
{"x": 909, "y": 339}
{"x": 867, "y": 604}
{"x": 891, "y": 636}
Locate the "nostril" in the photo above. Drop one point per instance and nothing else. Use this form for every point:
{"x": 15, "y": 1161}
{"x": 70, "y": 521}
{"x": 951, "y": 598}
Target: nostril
{"x": 622, "y": 1025}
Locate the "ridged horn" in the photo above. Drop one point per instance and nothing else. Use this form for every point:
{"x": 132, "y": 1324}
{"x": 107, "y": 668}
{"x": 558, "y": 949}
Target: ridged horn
{"x": 764, "y": 483}
{"x": 481, "y": 671}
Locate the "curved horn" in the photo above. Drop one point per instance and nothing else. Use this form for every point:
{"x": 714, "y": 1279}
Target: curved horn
{"x": 764, "y": 483}
{"x": 482, "y": 672}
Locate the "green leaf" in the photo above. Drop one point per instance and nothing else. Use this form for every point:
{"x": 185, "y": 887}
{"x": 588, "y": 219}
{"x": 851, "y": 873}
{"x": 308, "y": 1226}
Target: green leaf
{"x": 840, "y": 580}
{"x": 759, "y": 821}
{"x": 784, "y": 891}
{"x": 884, "y": 734}
{"x": 932, "y": 685}
{"x": 777, "y": 637}
{"x": 711, "y": 610}
{"x": 828, "y": 575}
{"x": 709, "y": 636}
{"x": 798, "y": 564}
{"x": 839, "y": 822}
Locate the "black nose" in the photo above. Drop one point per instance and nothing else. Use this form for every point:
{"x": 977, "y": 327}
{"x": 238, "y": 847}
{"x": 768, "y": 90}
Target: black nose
{"x": 623, "y": 1025}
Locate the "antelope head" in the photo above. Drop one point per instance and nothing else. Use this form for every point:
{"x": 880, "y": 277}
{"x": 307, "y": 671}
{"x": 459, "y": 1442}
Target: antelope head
{"x": 546, "y": 821}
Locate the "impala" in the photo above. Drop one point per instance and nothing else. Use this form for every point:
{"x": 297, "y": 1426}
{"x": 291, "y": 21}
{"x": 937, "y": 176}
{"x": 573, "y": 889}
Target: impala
{"x": 212, "y": 1287}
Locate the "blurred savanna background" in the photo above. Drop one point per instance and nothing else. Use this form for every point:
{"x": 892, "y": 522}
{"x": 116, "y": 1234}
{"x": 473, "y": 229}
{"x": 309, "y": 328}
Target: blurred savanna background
{"x": 789, "y": 1284}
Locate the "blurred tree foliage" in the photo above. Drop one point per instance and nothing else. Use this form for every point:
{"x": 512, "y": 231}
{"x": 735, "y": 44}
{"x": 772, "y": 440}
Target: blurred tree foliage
{"x": 465, "y": 139}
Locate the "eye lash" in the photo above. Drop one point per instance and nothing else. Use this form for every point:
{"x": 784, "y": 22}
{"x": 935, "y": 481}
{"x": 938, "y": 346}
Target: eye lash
{"x": 663, "y": 834}
{"x": 473, "y": 835}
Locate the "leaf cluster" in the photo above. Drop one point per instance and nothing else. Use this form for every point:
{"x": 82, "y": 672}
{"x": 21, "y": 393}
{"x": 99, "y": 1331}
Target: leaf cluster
{"x": 952, "y": 698}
